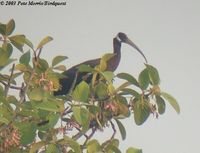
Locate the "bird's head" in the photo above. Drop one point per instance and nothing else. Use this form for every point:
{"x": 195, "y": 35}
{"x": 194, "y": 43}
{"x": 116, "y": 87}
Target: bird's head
{"x": 122, "y": 37}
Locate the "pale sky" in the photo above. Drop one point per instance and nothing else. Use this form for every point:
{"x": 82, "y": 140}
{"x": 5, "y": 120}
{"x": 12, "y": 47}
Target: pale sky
{"x": 168, "y": 32}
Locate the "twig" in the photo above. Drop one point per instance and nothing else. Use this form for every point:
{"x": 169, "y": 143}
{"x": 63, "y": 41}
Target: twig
{"x": 38, "y": 55}
{"x": 9, "y": 80}
{"x": 12, "y": 87}
{"x": 24, "y": 90}
{"x": 114, "y": 130}
{"x": 89, "y": 137}
{"x": 79, "y": 134}
{"x": 112, "y": 137}
{"x": 67, "y": 111}
{"x": 35, "y": 55}
{"x": 3, "y": 76}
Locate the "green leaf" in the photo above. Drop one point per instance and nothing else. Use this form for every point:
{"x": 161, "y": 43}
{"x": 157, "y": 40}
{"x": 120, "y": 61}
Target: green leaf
{"x": 43, "y": 65}
{"x": 153, "y": 74}
{"x": 71, "y": 143}
{"x": 4, "y": 57}
{"x": 44, "y": 41}
{"x": 42, "y": 134}
{"x": 141, "y": 111}
{"x": 52, "y": 148}
{"x": 127, "y": 91}
{"x": 81, "y": 92}
{"x": 121, "y": 129}
{"x": 1, "y": 91}
{"x": 5, "y": 53}
{"x": 93, "y": 109}
{"x": 172, "y": 101}
{"x": 28, "y": 113}
{"x": 111, "y": 146}
{"x": 58, "y": 59}
{"x": 111, "y": 89}
{"x": 18, "y": 41}
{"x": 82, "y": 116}
{"x": 85, "y": 68}
{"x": 144, "y": 79}
{"x": 10, "y": 26}
{"x": 108, "y": 75}
{"x": 21, "y": 67}
{"x": 133, "y": 150}
{"x": 161, "y": 104}
{"x": 93, "y": 146}
{"x": 2, "y": 29}
{"x": 25, "y": 58}
{"x": 129, "y": 78}
{"x": 6, "y": 110}
{"x": 36, "y": 94}
{"x": 7, "y": 48}
{"x": 101, "y": 91}
{"x": 60, "y": 68}
{"x": 36, "y": 146}
{"x": 12, "y": 99}
{"x": 48, "y": 106}
{"x": 27, "y": 131}
{"x": 104, "y": 59}
{"x": 29, "y": 43}
{"x": 8, "y": 62}
{"x": 16, "y": 150}
{"x": 4, "y": 120}
{"x": 52, "y": 119}
{"x": 122, "y": 110}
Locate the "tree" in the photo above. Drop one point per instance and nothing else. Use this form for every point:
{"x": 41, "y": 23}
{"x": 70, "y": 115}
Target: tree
{"x": 34, "y": 120}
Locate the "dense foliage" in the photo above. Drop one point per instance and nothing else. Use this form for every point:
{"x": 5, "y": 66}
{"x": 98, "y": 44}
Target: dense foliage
{"x": 34, "y": 120}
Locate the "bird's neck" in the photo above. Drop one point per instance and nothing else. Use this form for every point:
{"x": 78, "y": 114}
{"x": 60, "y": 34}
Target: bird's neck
{"x": 114, "y": 61}
{"x": 117, "y": 46}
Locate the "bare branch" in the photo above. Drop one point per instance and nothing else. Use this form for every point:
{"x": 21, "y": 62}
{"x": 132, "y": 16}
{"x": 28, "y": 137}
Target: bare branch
{"x": 9, "y": 80}
{"x": 114, "y": 130}
{"x": 12, "y": 87}
{"x": 24, "y": 90}
{"x": 38, "y": 55}
{"x": 89, "y": 137}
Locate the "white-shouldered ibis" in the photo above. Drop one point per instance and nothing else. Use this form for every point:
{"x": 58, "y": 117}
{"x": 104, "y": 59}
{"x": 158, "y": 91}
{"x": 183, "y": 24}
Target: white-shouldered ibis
{"x": 112, "y": 64}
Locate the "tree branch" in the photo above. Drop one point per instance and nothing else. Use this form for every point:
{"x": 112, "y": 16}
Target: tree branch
{"x": 9, "y": 80}
{"x": 24, "y": 89}
{"x": 11, "y": 87}
{"x": 114, "y": 130}
{"x": 89, "y": 137}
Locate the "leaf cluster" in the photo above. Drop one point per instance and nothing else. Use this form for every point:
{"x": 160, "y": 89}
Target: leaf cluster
{"x": 34, "y": 120}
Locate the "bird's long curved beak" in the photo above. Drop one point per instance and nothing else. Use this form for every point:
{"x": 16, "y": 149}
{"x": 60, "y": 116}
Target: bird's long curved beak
{"x": 129, "y": 42}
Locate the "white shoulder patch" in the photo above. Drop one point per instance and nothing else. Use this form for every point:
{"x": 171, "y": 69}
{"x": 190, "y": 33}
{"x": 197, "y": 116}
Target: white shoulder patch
{"x": 117, "y": 37}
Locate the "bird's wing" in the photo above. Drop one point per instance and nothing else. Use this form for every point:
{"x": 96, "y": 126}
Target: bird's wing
{"x": 91, "y": 63}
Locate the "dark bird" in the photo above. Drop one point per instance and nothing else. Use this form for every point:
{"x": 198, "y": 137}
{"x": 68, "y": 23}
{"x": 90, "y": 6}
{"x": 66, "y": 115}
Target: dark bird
{"x": 112, "y": 64}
